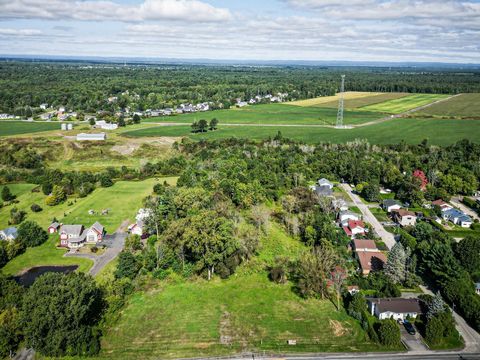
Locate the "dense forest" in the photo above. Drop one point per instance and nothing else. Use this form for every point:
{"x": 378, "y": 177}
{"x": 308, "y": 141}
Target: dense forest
{"x": 84, "y": 87}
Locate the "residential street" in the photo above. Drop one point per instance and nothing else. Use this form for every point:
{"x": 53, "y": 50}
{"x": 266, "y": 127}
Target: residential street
{"x": 368, "y": 217}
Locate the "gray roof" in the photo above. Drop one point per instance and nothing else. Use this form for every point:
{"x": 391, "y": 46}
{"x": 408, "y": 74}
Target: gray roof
{"x": 324, "y": 181}
{"x": 54, "y": 224}
{"x": 348, "y": 212}
{"x": 391, "y": 202}
{"x": 97, "y": 226}
{"x": 74, "y": 230}
{"x": 324, "y": 190}
{"x": 397, "y": 305}
{"x": 477, "y": 286}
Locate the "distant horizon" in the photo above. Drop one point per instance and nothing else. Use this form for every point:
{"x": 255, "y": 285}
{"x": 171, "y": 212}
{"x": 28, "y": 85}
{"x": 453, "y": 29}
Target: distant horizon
{"x": 231, "y": 61}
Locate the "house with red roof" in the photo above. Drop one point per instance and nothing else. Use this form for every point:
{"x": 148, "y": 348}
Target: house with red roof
{"x": 368, "y": 255}
{"x": 354, "y": 228}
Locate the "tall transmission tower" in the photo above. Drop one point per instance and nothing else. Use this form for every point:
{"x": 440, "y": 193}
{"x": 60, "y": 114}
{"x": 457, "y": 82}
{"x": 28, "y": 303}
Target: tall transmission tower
{"x": 340, "y": 105}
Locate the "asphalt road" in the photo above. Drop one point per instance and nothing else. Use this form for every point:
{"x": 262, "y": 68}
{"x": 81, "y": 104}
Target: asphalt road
{"x": 456, "y": 201}
{"x": 368, "y": 217}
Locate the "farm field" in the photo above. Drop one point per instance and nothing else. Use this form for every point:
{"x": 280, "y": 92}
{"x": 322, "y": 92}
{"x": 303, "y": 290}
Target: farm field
{"x": 181, "y": 319}
{"x": 412, "y": 131}
{"x": 397, "y": 106}
{"x": 358, "y": 102}
{"x": 123, "y": 199}
{"x": 273, "y": 114}
{"x": 319, "y": 101}
{"x": 462, "y": 106}
{"x": 8, "y": 128}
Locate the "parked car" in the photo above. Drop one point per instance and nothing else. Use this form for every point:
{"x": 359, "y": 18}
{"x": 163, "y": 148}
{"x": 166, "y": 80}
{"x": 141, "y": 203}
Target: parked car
{"x": 409, "y": 327}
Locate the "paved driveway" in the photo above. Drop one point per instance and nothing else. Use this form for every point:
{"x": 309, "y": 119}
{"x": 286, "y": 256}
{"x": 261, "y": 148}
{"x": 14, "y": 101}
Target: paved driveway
{"x": 413, "y": 342}
{"x": 386, "y": 237}
{"x": 456, "y": 201}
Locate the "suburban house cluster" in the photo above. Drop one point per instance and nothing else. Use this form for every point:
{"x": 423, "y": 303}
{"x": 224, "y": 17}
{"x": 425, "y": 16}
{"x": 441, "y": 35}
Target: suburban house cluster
{"x": 76, "y": 236}
{"x": 456, "y": 216}
{"x": 279, "y": 97}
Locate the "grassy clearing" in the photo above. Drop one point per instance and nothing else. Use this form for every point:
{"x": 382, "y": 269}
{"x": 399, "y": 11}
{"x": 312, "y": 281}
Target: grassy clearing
{"x": 274, "y": 114}
{"x": 8, "y": 128}
{"x": 319, "y": 101}
{"x": 463, "y": 106}
{"x": 403, "y": 104}
{"x": 45, "y": 254}
{"x": 412, "y": 131}
{"x": 123, "y": 199}
{"x": 246, "y": 312}
{"x": 375, "y": 98}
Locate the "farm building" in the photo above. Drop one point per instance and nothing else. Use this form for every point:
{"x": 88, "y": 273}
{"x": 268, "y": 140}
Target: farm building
{"x": 91, "y": 137}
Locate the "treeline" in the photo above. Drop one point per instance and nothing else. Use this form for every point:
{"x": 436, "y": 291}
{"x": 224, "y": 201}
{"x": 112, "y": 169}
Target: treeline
{"x": 87, "y": 88}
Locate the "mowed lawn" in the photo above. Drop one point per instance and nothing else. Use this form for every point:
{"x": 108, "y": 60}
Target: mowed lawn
{"x": 462, "y": 106}
{"x": 412, "y": 131}
{"x": 247, "y": 312}
{"x": 273, "y": 114}
{"x": 397, "y": 106}
{"x": 43, "y": 255}
{"x": 123, "y": 200}
{"x": 8, "y": 128}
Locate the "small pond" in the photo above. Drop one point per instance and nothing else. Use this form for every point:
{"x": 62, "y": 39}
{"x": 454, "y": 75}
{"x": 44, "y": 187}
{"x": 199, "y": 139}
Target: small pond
{"x": 28, "y": 277}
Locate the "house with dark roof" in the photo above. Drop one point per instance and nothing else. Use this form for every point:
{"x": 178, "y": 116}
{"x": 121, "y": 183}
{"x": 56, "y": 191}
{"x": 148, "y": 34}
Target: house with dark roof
{"x": 390, "y": 204}
{"x": 457, "y": 217}
{"x": 8, "y": 234}
{"x": 396, "y": 308}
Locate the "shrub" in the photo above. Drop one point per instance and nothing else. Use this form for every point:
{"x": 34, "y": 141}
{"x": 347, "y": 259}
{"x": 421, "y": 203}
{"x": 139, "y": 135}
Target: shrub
{"x": 389, "y": 332}
{"x": 36, "y": 208}
{"x": 7, "y": 194}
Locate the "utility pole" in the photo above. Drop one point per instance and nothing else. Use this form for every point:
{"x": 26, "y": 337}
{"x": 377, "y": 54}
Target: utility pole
{"x": 339, "y": 124}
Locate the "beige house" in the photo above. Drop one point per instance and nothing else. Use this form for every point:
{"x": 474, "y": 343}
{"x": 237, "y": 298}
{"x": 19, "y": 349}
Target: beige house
{"x": 404, "y": 217}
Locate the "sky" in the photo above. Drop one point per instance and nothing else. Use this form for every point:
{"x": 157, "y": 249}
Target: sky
{"x": 316, "y": 30}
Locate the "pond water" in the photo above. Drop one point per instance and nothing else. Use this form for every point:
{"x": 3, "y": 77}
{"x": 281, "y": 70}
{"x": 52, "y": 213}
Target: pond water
{"x": 29, "y": 276}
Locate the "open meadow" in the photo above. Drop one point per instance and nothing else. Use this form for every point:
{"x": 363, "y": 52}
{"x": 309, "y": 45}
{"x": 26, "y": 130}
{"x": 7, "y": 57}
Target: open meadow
{"x": 9, "y": 128}
{"x": 412, "y": 131}
{"x": 269, "y": 114}
{"x": 247, "y": 312}
{"x": 353, "y": 103}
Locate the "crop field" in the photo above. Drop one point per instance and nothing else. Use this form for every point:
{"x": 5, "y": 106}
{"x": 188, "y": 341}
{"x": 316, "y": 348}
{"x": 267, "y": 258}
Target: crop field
{"x": 397, "y": 106}
{"x": 8, "y": 128}
{"x": 274, "y": 114}
{"x": 122, "y": 199}
{"x": 319, "y": 101}
{"x": 462, "y": 106}
{"x": 359, "y": 102}
{"x": 412, "y": 131}
{"x": 247, "y": 312}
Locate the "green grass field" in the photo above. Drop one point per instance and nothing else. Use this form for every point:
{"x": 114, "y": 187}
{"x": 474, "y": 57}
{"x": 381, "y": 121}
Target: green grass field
{"x": 412, "y": 131}
{"x": 462, "y": 106}
{"x": 8, "y": 128}
{"x": 45, "y": 254}
{"x": 274, "y": 114}
{"x": 397, "y": 106}
{"x": 123, "y": 199}
{"x": 181, "y": 319}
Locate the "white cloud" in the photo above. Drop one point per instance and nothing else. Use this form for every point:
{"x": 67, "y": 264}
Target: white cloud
{"x": 192, "y": 10}
{"x": 19, "y": 32}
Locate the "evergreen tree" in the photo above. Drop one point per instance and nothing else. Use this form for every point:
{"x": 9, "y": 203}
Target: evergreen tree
{"x": 436, "y": 307}
{"x": 7, "y": 194}
{"x": 136, "y": 119}
{"x": 395, "y": 268}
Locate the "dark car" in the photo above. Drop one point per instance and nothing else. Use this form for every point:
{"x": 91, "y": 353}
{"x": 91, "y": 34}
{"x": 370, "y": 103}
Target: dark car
{"x": 409, "y": 327}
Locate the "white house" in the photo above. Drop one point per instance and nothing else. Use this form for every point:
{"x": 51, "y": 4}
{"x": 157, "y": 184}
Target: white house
{"x": 404, "y": 217}
{"x": 354, "y": 228}
{"x": 390, "y": 205}
{"x": 91, "y": 137}
{"x": 8, "y": 234}
{"x": 43, "y": 106}
{"x": 95, "y": 233}
{"x": 75, "y": 236}
{"x": 477, "y": 288}
{"x": 396, "y": 308}
{"x": 345, "y": 216}
{"x": 457, "y": 217}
